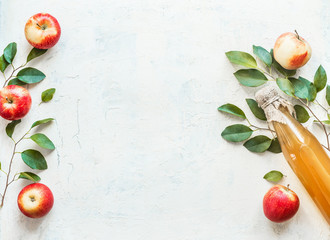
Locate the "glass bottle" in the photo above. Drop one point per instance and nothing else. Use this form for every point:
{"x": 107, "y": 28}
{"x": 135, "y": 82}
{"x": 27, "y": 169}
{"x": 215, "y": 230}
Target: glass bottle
{"x": 302, "y": 150}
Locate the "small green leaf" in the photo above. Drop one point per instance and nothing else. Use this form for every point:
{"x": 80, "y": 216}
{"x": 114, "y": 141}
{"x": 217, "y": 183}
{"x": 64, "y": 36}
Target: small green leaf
{"x": 10, "y": 52}
{"x": 258, "y": 144}
{"x": 286, "y": 86}
{"x": 280, "y": 69}
{"x": 43, "y": 141}
{"x": 327, "y": 96}
{"x": 303, "y": 88}
{"x": 16, "y": 81}
{"x": 34, "y": 159}
{"x": 3, "y": 63}
{"x": 273, "y": 176}
{"x": 301, "y": 113}
{"x": 256, "y": 110}
{"x": 327, "y": 122}
{"x": 47, "y": 95}
{"x": 250, "y": 77}
{"x": 30, "y": 75}
{"x": 241, "y": 58}
{"x": 232, "y": 109}
{"x": 29, "y": 176}
{"x": 320, "y": 79}
{"x": 41, "y": 122}
{"x": 11, "y": 127}
{"x": 263, "y": 55}
{"x": 35, "y": 52}
{"x": 236, "y": 133}
{"x": 275, "y": 146}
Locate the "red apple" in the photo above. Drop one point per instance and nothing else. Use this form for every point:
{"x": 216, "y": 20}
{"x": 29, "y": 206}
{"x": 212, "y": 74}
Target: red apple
{"x": 42, "y": 31}
{"x": 291, "y": 51}
{"x": 280, "y": 203}
{"x": 35, "y": 200}
{"x": 15, "y": 102}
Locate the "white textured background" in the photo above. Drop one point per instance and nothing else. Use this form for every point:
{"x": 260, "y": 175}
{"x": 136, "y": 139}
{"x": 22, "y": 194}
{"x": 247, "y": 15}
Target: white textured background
{"x": 139, "y": 153}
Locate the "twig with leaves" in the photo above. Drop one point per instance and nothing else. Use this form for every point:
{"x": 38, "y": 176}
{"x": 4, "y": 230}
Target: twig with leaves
{"x": 31, "y": 157}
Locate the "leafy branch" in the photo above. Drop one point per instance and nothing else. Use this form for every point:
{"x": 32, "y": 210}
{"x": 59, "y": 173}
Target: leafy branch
{"x": 299, "y": 88}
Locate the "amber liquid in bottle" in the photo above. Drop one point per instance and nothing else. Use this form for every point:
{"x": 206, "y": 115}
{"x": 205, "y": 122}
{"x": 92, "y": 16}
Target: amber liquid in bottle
{"x": 307, "y": 158}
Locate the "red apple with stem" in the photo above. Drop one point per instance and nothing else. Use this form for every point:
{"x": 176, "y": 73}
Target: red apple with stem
{"x": 15, "y": 102}
{"x": 35, "y": 200}
{"x": 280, "y": 203}
{"x": 291, "y": 51}
{"x": 42, "y": 31}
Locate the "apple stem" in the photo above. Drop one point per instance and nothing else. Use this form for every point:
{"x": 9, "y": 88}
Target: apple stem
{"x": 297, "y": 35}
{"x": 288, "y": 186}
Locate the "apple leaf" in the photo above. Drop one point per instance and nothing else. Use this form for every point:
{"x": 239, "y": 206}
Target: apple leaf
{"x": 10, "y": 52}
{"x": 39, "y": 122}
{"x": 320, "y": 78}
{"x": 232, "y": 109}
{"x": 303, "y": 88}
{"x": 35, "y": 52}
{"x": 255, "y": 109}
{"x": 275, "y": 146}
{"x": 43, "y": 141}
{"x": 3, "y": 63}
{"x": 11, "y": 127}
{"x": 258, "y": 144}
{"x": 30, "y": 75}
{"x": 16, "y": 81}
{"x": 327, "y": 95}
{"x": 48, "y": 94}
{"x": 29, "y": 176}
{"x": 250, "y": 77}
{"x": 301, "y": 113}
{"x": 286, "y": 86}
{"x": 241, "y": 58}
{"x": 263, "y": 55}
{"x": 273, "y": 176}
{"x": 34, "y": 159}
{"x": 236, "y": 133}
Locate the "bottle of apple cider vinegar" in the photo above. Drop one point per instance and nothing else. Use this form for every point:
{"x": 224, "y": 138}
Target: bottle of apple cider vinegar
{"x": 302, "y": 150}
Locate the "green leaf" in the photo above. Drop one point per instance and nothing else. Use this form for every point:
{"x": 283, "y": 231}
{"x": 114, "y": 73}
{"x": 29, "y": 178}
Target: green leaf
{"x": 256, "y": 110}
{"x": 250, "y": 77}
{"x": 303, "y": 88}
{"x": 48, "y": 94}
{"x": 34, "y": 159}
{"x": 29, "y": 176}
{"x": 46, "y": 120}
{"x": 286, "y": 86}
{"x": 273, "y": 176}
{"x": 241, "y": 58}
{"x": 232, "y": 109}
{"x": 30, "y": 75}
{"x": 11, "y": 127}
{"x": 263, "y": 55}
{"x": 258, "y": 144}
{"x": 10, "y": 52}
{"x": 35, "y": 52}
{"x": 43, "y": 141}
{"x": 327, "y": 122}
{"x": 16, "y": 81}
{"x": 275, "y": 146}
{"x": 301, "y": 113}
{"x": 280, "y": 69}
{"x": 327, "y": 96}
{"x": 320, "y": 79}
{"x": 236, "y": 133}
{"x": 3, "y": 63}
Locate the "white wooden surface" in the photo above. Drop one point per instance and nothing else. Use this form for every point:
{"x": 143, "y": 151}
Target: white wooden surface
{"x": 139, "y": 153}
